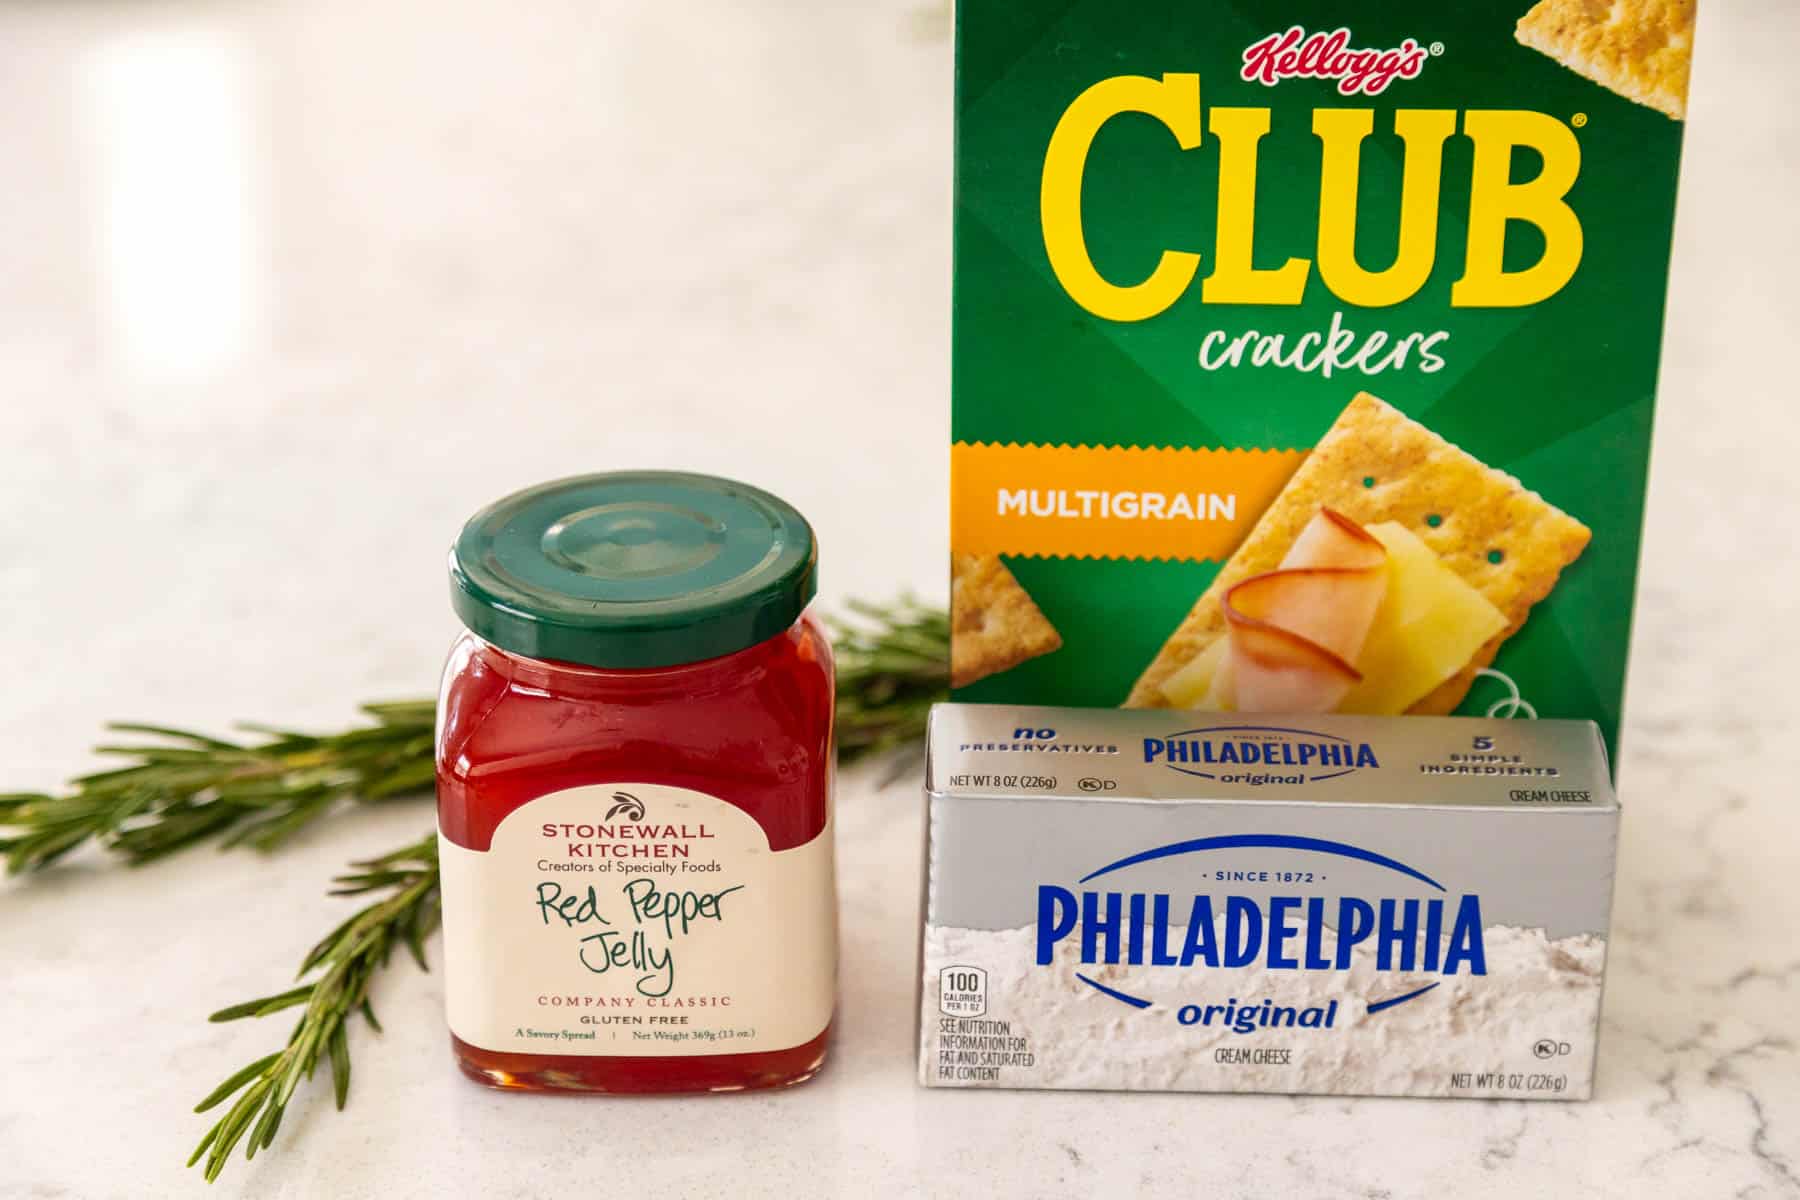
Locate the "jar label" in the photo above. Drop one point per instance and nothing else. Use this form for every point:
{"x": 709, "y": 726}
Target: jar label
{"x": 637, "y": 920}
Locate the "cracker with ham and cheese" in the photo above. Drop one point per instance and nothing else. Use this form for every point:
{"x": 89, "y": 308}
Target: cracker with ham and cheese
{"x": 1640, "y": 49}
{"x": 1431, "y": 505}
{"x": 1296, "y": 632}
{"x": 995, "y": 624}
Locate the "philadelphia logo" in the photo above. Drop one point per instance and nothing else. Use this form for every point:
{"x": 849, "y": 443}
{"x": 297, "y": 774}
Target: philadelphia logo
{"x": 1297, "y": 54}
{"x": 1436, "y": 934}
{"x": 1259, "y": 754}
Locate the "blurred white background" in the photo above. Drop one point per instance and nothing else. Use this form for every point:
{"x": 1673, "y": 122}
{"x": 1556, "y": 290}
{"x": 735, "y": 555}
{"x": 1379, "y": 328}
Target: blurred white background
{"x": 290, "y": 287}
{"x": 288, "y": 290}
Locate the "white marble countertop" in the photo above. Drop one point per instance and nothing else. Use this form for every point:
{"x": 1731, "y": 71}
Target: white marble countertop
{"x": 287, "y": 288}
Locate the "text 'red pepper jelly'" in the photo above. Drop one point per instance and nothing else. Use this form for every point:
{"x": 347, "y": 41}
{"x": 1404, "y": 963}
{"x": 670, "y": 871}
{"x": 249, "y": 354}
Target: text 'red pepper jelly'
{"x": 634, "y": 764}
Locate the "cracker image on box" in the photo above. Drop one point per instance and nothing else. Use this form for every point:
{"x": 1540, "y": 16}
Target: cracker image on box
{"x": 994, "y": 623}
{"x": 1641, "y": 49}
{"x": 1390, "y": 569}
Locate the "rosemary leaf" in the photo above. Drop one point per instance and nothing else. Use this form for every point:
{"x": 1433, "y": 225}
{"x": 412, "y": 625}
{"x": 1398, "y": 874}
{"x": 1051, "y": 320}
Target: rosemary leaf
{"x": 262, "y": 1006}
{"x": 231, "y": 1085}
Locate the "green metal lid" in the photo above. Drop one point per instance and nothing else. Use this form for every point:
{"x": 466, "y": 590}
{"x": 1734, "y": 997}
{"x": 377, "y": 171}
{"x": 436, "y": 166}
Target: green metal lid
{"x": 633, "y": 569}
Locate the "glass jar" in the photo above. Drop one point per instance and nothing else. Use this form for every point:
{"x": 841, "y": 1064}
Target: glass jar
{"x": 635, "y": 773}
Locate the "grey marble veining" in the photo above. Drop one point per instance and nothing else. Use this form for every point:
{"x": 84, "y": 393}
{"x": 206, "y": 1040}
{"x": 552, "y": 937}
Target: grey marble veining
{"x": 288, "y": 288}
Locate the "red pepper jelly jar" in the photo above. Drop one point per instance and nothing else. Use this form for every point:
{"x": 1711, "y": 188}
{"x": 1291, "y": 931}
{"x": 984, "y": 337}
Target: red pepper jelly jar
{"x": 634, "y": 775}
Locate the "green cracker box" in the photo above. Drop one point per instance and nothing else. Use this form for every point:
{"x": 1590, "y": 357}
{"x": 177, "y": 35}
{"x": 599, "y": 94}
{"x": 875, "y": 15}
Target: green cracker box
{"x": 1304, "y": 365}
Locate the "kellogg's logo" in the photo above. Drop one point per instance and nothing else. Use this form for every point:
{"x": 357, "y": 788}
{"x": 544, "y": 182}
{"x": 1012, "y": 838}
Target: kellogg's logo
{"x": 1299, "y": 55}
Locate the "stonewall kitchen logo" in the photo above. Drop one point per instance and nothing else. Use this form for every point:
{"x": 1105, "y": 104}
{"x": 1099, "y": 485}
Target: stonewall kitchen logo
{"x": 626, "y": 832}
{"x": 1296, "y": 54}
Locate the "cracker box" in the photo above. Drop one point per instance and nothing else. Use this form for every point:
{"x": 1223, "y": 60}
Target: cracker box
{"x": 1305, "y": 363}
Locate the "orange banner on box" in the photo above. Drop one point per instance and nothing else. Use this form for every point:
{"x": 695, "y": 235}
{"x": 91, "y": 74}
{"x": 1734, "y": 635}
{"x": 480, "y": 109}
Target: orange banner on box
{"x": 1110, "y": 501}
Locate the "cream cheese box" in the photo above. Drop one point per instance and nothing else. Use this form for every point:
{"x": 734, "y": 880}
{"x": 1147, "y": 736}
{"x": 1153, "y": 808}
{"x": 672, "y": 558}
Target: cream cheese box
{"x": 1164, "y": 901}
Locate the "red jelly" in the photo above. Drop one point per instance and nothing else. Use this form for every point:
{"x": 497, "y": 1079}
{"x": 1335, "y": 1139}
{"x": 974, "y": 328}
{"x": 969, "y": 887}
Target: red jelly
{"x": 634, "y": 791}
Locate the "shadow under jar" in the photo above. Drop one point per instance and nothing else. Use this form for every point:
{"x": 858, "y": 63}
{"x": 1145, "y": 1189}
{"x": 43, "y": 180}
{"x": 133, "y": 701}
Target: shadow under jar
{"x": 634, "y": 764}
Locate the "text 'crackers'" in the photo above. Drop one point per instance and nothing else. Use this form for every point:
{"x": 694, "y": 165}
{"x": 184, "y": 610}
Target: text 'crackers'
{"x": 1194, "y": 241}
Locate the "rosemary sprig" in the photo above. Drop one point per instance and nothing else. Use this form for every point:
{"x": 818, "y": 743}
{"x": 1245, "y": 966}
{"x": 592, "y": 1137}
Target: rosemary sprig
{"x": 347, "y": 959}
{"x": 893, "y": 664}
{"x": 181, "y": 787}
